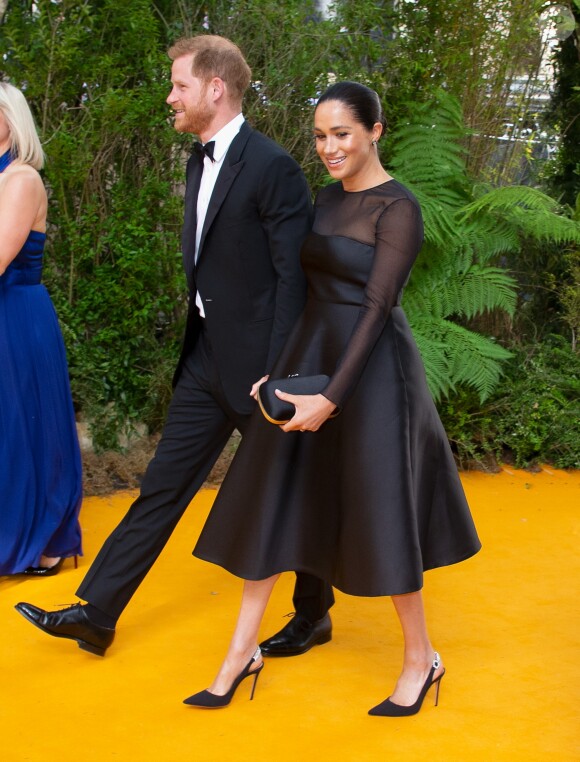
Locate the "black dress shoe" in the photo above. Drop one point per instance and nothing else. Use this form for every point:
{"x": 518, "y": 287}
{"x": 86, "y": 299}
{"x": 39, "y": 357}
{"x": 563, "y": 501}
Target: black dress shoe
{"x": 72, "y": 623}
{"x": 298, "y": 636}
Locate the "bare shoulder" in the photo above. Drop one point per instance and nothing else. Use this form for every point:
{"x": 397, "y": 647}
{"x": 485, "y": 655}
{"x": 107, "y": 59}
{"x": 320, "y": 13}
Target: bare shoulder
{"x": 21, "y": 173}
{"x": 21, "y": 178}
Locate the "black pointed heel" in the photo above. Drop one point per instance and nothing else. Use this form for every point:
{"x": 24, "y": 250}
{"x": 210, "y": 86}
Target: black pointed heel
{"x": 46, "y": 571}
{"x": 388, "y": 709}
{"x": 207, "y": 700}
{"x": 43, "y": 571}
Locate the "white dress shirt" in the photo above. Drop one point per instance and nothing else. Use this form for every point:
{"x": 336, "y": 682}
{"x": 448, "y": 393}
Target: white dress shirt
{"x": 222, "y": 140}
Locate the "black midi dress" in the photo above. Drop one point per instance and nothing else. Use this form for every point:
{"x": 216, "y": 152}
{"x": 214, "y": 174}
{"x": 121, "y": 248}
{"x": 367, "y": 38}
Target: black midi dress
{"x": 372, "y": 499}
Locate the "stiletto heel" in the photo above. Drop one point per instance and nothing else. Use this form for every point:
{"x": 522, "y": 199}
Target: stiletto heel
{"x": 208, "y": 700}
{"x": 388, "y": 709}
{"x": 76, "y": 562}
{"x": 438, "y": 681}
{"x": 257, "y": 673}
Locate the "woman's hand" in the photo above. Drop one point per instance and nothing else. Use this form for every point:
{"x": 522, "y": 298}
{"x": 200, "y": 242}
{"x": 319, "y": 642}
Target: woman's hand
{"x": 257, "y": 385}
{"x": 312, "y": 410}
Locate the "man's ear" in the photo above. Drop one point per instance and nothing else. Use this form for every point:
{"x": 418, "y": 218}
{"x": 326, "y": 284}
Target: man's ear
{"x": 217, "y": 88}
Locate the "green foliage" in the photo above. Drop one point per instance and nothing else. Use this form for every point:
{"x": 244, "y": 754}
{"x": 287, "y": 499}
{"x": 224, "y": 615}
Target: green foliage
{"x": 528, "y": 211}
{"x": 470, "y": 428}
{"x": 96, "y": 78}
{"x": 541, "y": 418}
{"x": 451, "y": 280}
{"x": 570, "y": 297}
{"x": 564, "y": 173}
{"x": 467, "y": 230}
{"x": 534, "y": 418}
{"x": 295, "y": 53}
{"x": 542, "y": 261}
{"x": 97, "y": 75}
{"x": 477, "y": 50}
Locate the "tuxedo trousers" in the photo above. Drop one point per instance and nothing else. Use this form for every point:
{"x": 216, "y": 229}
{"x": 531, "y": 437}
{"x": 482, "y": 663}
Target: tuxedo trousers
{"x": 199, "y": 423}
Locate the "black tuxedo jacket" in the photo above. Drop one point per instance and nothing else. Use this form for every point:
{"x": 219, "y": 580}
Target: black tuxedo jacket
{"x": 248, "y": 268}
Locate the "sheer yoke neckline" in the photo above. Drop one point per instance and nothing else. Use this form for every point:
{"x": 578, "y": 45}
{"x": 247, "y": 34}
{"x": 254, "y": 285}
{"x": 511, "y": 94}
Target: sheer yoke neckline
{"x": 357, "y": 215}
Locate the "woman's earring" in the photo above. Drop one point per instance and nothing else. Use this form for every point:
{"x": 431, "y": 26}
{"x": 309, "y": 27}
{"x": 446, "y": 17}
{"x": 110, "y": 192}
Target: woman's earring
{"x": 374, "y": 143}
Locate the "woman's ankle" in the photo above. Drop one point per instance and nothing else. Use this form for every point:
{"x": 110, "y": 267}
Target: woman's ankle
{"x": 48, "y": 562}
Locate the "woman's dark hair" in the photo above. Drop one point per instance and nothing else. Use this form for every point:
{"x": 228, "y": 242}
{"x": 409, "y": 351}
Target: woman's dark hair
{"x": 363, "y": 102}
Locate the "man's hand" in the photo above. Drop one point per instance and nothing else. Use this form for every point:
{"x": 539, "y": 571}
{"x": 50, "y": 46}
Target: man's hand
{"x": 257, "y": 385}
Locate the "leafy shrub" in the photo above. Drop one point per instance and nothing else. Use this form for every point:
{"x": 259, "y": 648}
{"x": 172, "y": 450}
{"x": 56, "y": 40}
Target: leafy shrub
{"x": 468, "y": 229}
{"x": 96, "y": 75}
{"x": 535, "y": 418}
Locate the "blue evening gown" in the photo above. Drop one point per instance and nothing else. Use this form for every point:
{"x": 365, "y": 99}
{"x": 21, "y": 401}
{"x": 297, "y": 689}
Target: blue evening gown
{"x": 40, "y": 463}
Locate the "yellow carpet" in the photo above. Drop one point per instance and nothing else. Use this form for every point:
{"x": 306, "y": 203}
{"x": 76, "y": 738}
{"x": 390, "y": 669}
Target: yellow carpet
{"x": 505, "y": 622}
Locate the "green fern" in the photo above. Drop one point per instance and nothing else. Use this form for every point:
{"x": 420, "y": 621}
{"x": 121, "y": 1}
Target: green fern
{"x": 474, "y": 360}
{"x": 434, "y": 358}
{"x": 488, "y": 238}
{"x": 466, "y": 293}
{"x": 484, "y": 289}
{"x": 440, "y": 228}
{"x": 467, "y": 229}
{"x": 454, "y": 355}
{"x": 508, "y": 196}
{"x": 528, "y": 211}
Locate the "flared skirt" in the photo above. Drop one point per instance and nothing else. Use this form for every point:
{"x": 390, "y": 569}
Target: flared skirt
{"x": 368, "y": 502}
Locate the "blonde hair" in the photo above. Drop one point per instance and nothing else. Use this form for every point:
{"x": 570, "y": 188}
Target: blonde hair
{"x": 215, "y": 56}
{"x": 24, "y": 140}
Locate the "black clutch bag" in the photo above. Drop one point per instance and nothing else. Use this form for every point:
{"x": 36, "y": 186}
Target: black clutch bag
{"x": 276, "y": 410}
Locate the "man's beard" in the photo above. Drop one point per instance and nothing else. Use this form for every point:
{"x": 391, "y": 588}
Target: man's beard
{"x": 195, "y": 120}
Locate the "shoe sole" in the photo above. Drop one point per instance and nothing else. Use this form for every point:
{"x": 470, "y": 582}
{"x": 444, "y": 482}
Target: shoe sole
{"x": 82, "y": 644}
{"x": 319, "y": 642}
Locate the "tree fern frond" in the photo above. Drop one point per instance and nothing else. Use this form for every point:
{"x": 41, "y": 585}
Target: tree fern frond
{"x": 435, "y": 362}
{"x": 487, "y": 238}
{"x": 527, "y": 210}
{"x": 452, "y": 358}
{"x": 433, "y": 290}
{"x": 462, "y": 255}
{"x": 427, "y": 173}
{"x": 505, "y": 198}
{"x": 447, "y": 198}
{"x": 428, "y": 150}
{"x": 545, "y": 226}
{"x": 423, "y": 304}
{"x": 446, "y": 106}
{"x": 450, "y": 107}
{"x": 440, "y": 227}
{"x": 444, "y": 151}
{"x": 474, "y": 360}
{"x": 486, "y": 288}
{"x": 467, "y": 357}
{"x": 447, "y": 291}
{"x": 466, "y": 230}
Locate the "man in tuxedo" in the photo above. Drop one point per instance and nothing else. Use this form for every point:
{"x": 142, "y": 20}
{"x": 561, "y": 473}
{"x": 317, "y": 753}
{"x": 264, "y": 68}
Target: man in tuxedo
{"x": 247, "y": 212}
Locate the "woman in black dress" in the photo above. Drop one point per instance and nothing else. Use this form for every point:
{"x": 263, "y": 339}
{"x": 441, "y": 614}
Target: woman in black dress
{"x": 370, "y": 499}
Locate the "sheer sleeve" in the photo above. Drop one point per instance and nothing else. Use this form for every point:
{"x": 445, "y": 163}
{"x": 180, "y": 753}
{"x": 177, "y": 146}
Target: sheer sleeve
{"x": 399, "y": 235}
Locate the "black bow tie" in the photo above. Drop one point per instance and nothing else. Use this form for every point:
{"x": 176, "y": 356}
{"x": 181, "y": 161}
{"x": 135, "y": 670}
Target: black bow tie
{"x": 201, "y": 150}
